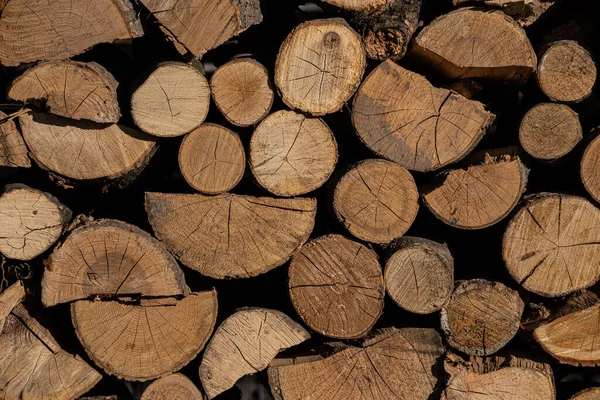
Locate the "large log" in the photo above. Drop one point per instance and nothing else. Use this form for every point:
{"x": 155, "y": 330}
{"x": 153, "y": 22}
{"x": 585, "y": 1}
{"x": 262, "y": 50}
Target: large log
{"x": 13, "y": 152}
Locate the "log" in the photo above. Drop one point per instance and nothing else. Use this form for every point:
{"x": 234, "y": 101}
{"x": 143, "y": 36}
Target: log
{"x": 174, "y": 386}
{"x": 32, "y": 221}
{"x": 108, "y": 258}
{"x": 291, "y": 154}
{"x": 63, "y": 28}
{"x": 167, "y": 337}
{"x": 319, "y": 66}
{"x": 174, "y": 100}
{"x": 587, "y": 394}
{"x": 525, "y": 12}
{"x": 481, "y": 194}
{"x": 549, "y": 131}
{"x": 212, "y": 159}
{"x": 202, "y": 25}
{"x": 336, "y": 286}
{"x": 400, "y": 116}
{"x": 573, "y": 338}
{"x": 376, "y": 200}
{"x": 358, "y": 5}
{"x": 470, "y": 43}
{"x": 481, "y": 317}
{"x": 245, "y": 343}
{"x": 393, "y": 364}
{"x": 419, "y": 274}
{"x": 500, "y": 377}
{"x": 242, "y": 91}
{"x": 31, "y": 358}
{"x": 589, "y": 168}
{"x": 13, "y": 152}
{"x": 70, "y": 89}
{"x": 243, "y": 236}
{"x": 566, "y": 72}
{"x": 85, "y": 151}
{"x": 546, "y": 232}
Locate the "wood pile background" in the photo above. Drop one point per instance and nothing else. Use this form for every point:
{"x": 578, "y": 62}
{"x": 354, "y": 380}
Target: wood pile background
{"x": 266, "y": 199}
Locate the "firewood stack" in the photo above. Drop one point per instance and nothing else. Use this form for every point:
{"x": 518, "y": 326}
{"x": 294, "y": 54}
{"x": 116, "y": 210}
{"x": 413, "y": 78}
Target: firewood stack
{"x": 289, "y": 200}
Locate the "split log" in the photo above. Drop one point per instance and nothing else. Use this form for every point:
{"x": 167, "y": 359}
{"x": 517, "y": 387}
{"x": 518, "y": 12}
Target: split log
{"x": 393, "y": 364}
{"x": 376, "y": 200}
{"x": 400, "y": 116}
{"x": 212, "y": 159}
{"x": 229, "y": 235}
{"x": 167, "y": 337}
{"x": 173, "y": 101}
{"x": 573, "y": 338}
{"x": 590, "y": 168}
{"x": 358, "y": 5}
{"x": 175, "y": 386}
{"x": 587, "y": 394}
{"x": 32, "y": 221}
{"x": 549, "y": 131}
{"x": 481, "y": 317}
{"x": 491, "y": 377}
{"x": 63, "y": 28}
{"x": 108, "y": 257}
{"x": 32, "y": 364}
{"x": 202, "y": 25}
{"x": 525, "y": 12}
{"x": 13, "y": 152}
{"x": 70, "y": 89}
{"x": 242, "y": 91}
{"x": 419, "y": 275}
{"x": 551, "y": 245}
{"x": 469, "y": 43}
{"x": 481, "y": 194}
{"x": 336, "y": 286}
{"x": 566, "y": 72}
{"x": 245, "y": 343}
{"x": 320, "y": 66}
{"x": 85, "y": 151}
{"x": 291, "y": 154}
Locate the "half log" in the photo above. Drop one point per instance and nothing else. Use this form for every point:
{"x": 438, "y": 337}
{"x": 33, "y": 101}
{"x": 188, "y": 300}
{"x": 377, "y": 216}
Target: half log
{"x": 13, "y": 152}
{"x": 172, "y": 387}
{"x": 590, "y": 168}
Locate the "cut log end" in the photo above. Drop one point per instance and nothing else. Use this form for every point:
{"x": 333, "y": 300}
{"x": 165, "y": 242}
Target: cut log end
{"x": 291, "y": 154}
{"x": 376, "y": 200}
{"x": 173, "y": 101}
{"x": 590, "y": 169}
{"x": 566, "y": 72}
{"x": 481, "y": 317}
{"x": 587, "y": 394}
{"x": 549, "y": 131}
{"x": 212, "y": 159}
{"x": 173, "y": 387}
{"x": 336, "y": 286}
{"x": 13, "y": 152}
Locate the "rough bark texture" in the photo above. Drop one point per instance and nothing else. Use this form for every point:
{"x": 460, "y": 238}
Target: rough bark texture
{"x": 13, "y": 152}
{"x": 525, "y": 12}
{"x": 172, "y": 387}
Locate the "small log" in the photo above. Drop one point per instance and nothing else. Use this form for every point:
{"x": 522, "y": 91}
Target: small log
{"x": 336, "y": 286}
{"x": 166, "y": 337}
{"x": 566, "y": 72}
{"x": 587, "y": 394}
{"x": 63, "y": 28}
{"x": 242, "y": 91}
{"x": 590, "y": 168}
{"x": 202, "y": 25}
{"x": 469, "y": 43}
{"x": 393, "y": 364}
{"x": 174, "y": 100}
{"x": 549, "y": 131}
{"x": 319, "y": 66}
{"x": 358, "y": 5}
{"x": 291, "y": 154}
{"x": 400, "y": 116}
{"x": 480, "y": 195}
{"x": 85, "y": 151}
{"x": 108, "y": 257}
{"x": 481, "y": 317}
{"x": 212, "y": 159}
{"x": 573, "y": 338}
{"x": 70, "y": 89}
{"x": 376, "y": 200}
{"x": 491, "y": 377}
{"x": 174, "y": 386}
{"x": 244, "y": 236}
{"x": 32, "y": 221}
{"x": 245, "y": 343}
{"x": 525, "y": 12}
{"x": 31, "y": 359}
{"x": 419, "y": 274}
{"x": 551, "y": 245}
{"x": 13, "y": 152}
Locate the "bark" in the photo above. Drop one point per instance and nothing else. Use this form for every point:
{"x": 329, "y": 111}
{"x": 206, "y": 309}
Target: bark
{"x": 525, "y": 12}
